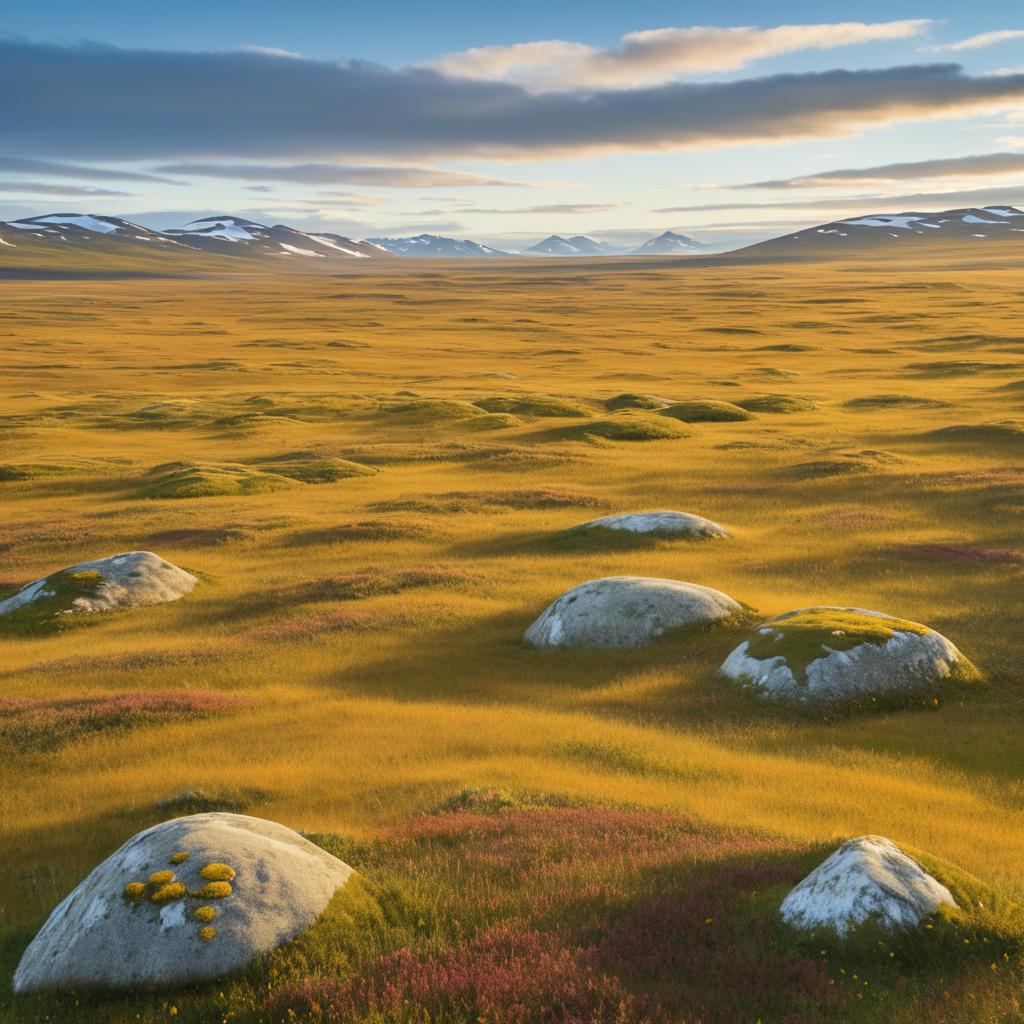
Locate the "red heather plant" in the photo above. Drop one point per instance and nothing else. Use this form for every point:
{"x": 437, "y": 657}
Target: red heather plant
{"x": 37, "y": 726}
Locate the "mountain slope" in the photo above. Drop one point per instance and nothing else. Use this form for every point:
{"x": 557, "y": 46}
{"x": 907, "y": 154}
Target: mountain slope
{"x": 885, "y": 231}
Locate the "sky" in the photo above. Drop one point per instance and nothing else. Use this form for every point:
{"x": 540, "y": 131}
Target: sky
{"x": 509, "y": 122}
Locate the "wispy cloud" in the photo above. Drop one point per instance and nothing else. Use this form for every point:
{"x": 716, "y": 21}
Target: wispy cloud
{"x": 659, "y": 55}
{"x": 339, "y": 174}
{"x": 948, "y": 167}
{"x": 47, "y": 189}
{"x": 978, "y": 42}
{"x": 56, "y": 169}
{"x": 555, "y": 208}
{"x": 131, "y": 105}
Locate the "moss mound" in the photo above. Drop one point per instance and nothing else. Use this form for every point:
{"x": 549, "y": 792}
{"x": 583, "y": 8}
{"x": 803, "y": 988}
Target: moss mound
{"x": 706, "y": 410}
{"x": 14, "y": 471}
{"x": 630, "y": 426}
{"x": 807, "y": 635}
{"x": 48, "y": 612}
{"x": 491, "y": 421}
{"x": 311, "y": 468}
{"x": 427, "y": 411}
{"x": 176, "y": 480}
{"x": 533, "y": 405}
{"x": 632, "y": 400}
{"x": 999, "y": 431}
{"x": 868, "y": 402}
{"x": 776, "y": 403}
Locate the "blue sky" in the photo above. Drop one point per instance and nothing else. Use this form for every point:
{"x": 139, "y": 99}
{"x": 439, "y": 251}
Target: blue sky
{"x": 508, "y": 122}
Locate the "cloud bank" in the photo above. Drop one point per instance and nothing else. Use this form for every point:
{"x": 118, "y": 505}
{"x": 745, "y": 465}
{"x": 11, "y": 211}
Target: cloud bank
{"x": 91, "y": 102}
{"x": 978, "y": 42}
{"x": 658, "y": 55}
{"x": 339, "y": 174}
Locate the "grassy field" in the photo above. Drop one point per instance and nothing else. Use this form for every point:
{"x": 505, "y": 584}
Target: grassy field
{"x": 352, "y": 657}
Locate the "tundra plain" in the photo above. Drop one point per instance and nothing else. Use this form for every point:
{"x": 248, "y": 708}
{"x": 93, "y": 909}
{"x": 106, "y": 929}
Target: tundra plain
{"x": 372, "y": 473}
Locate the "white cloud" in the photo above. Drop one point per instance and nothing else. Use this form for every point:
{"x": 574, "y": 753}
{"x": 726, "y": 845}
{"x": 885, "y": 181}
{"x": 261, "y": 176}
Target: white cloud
{"x": 978, "y": 42}
{"x": 659, "y": 55}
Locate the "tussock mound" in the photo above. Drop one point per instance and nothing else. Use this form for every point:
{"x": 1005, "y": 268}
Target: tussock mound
{"x": 189, "y": 480}
{"x": 631, "y": 400}
{"x": 845, "y": 463}
{"x": 533, "y": 405}
{"x": 426, "y": 411}
{"x": 868, "y": 878}
{"x": 131, "y": 580}
{"x": 845, "y": 656}
{"x": 311, "y": 468}
{"x": 868, "y": 402}
{"x": 630, "y": 426}
{"x": 999, "y": 431}
{"x": 706, "y": 411}
{"x": 628, "y": 611}
{"x": 655, "y": 524}
{"x": 188, "y": 900}
{"x": 776, "y": 403}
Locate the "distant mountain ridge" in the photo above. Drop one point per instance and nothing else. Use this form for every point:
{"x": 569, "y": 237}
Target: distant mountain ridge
{"x": 668, "y": 243}
{"x": 435, "y": 247}
{"x": 578, "y": 245}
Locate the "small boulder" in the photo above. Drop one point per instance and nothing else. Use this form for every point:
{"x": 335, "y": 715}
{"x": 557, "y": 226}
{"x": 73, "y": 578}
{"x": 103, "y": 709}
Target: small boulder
{"x": 130, "y": 580}
{"x": 658, "y": 524}
{"x": 188, "y": 900}
{"x": 866, "y": 878}
{"x": 628, "y": 611}
{"x": 827, "y": 655}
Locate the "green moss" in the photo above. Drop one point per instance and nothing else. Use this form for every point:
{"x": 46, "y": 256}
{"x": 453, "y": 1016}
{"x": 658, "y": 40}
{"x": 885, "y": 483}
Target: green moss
{"x": 631, "y": 400}
{"x": 57, "y": 597}
{"x": 630, "y": 426}
{"x": 805, "y": 636}
{"x": 533, "y": 405}
{"x": 706, "y": 411}
{"x": 776, "y": 403}
{"x": 217, "y": 872}
{"x": 214, "y": 891}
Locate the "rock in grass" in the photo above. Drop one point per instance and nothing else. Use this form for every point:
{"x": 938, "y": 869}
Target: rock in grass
{"x": 131, "y": 580}
{"x": 844, "y": 655}
{"x": 628, "y": 611}
{"x": 681, "y": 525}
{"x": 188, "y": 900}
{"x": 866, "y": 878}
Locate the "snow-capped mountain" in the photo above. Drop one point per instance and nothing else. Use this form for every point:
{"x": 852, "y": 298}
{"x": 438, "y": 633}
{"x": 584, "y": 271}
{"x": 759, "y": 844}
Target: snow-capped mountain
{"x": 434, "y": 247}
{"x": 968, "y": 227}
{"x": 578, "y": 245}
{"x": 668, "y": 243}
{"x": 237, "y": 236}
{"x": 80, "y": 227}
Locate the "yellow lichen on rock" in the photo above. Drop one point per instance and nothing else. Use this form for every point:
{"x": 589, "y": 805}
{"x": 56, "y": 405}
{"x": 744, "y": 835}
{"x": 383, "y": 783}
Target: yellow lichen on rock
{"x": 205, "y": 914}
{"x": 161, "y": 877}
{"x": 180, "y": 857}
{"x": 207, "y": 933}
{"x": 217, "y": 872}
{"x": 214, "y": 891}
{"x": 169, "y": 892}
{"x": 134, "y": 891}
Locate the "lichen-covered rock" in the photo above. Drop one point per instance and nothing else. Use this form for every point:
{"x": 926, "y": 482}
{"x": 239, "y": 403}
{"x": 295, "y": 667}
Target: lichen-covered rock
{"x": 628, "y": 611}
{"x": 866, "y": 878}
{"x": 150, "y": 916}
{"x": 130, "y": 580}
{"x": 658, "y": 524}
{"x": 833, "y": 655}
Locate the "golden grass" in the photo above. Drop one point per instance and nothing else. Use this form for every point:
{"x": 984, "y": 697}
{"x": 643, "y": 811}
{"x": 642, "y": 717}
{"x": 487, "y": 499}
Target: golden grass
{"x": 361, "y": 718}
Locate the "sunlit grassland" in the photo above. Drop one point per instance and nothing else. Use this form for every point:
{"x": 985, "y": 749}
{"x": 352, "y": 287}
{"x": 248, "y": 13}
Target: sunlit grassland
{"x": 376, "y": 698}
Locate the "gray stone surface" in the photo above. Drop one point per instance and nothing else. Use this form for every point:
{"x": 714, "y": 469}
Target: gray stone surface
{"x": 908, "y": 662}
{"x": 627, "y": 611}
{"x": 868, "y": 877}
{"x": 99, "y": 938}
{"x": 130, "y": 580}
{"x": 662, "y": 523}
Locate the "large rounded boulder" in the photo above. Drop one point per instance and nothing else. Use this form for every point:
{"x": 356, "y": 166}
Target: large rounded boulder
{"x": 869, "y": 878}
{"x": 680, "y": 525}
{"x": 830, "y": 656}
{"x": 130, "y": 580}
{"x": 188, "y": 900}
{"x": 628, "y": 611}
